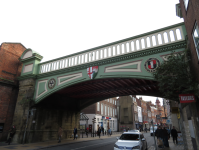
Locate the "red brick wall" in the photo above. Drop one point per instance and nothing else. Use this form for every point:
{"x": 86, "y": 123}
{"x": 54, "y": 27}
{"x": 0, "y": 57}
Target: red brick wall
{"x": 190, "y": 17}
{"x": 10, "y": 69}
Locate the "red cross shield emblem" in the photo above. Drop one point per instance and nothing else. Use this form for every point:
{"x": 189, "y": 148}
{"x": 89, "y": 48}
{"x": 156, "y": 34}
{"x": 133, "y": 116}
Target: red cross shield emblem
{"x": 92, "y": 72}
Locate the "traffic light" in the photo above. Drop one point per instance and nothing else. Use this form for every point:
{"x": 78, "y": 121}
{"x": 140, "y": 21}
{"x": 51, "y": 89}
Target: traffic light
{"x": 94, "y": 120}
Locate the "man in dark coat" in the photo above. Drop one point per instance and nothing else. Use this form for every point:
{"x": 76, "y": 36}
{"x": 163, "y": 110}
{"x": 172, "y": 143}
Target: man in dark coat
{"x": 103, "y": 130}
{"x": 12, "y": 133}
{"x": 174, "y": 134}
{"x": 159, "y": 134}
{"x": 165, "y": 137}
{"x": 75, "y": 132}
{"x": 99, "y": 131}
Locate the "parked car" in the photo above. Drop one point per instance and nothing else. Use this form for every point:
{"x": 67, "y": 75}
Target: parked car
{"x": 132, "y": 141}
{"x": 151, "y": 130}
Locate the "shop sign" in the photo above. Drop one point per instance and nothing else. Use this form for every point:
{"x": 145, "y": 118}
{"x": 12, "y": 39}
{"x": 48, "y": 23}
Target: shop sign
{"x": 145, "y": 122}
{"x": 108, "y": 118}
{"x": 187, "y": 98}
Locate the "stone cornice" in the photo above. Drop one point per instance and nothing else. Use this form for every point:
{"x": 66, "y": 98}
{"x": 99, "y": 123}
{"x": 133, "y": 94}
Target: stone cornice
{"x": 127, "y": 56}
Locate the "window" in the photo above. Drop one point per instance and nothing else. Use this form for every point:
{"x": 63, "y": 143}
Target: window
{"x": 108, "y": 110}
{"x": 195, "y": 35}
{"x": 186, "y": 2}
{"x": 105, "y": 109}
{"x": 110, "y": 100}
{"x": 113, "y": 113}
{"x": 98, "y": 106}
{"x": 113, "y": 101}
{"x": 102, "y": 109}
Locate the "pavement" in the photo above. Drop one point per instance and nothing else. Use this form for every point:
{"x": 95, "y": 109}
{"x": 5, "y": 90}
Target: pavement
{"x": 53, "y": 143}
{"x": 172, "y": 146}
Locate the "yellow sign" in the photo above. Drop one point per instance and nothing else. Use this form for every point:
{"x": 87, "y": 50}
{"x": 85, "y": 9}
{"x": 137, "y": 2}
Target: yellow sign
{"x": 174, "y": 110}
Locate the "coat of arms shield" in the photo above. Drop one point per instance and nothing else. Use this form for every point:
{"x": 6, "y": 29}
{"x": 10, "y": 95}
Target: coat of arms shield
{"x": 92, "y": 72}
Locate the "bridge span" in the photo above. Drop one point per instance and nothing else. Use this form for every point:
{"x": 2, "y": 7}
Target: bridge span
{"x": 59, "y": 89}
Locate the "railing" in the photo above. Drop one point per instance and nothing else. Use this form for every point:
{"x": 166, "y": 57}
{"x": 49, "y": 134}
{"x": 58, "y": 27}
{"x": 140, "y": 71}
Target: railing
{"x": 130, "y": 45}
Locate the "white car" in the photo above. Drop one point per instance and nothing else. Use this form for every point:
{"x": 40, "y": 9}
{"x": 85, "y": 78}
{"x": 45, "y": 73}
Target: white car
{"x": 131, "y": 141}
{"x": 151, "y": 130}
{"x": 133, "y": 131}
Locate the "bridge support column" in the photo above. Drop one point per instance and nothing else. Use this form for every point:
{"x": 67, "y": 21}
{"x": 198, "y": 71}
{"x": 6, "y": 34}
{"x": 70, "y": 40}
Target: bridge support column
{"x": 40, "y": 122}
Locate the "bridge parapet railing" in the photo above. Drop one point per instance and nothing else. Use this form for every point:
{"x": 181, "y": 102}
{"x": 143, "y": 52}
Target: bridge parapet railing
{"x": 138, "y": 43}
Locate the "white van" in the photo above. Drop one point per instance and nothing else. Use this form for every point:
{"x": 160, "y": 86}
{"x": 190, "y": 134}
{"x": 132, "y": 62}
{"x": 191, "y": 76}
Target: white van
{"x": 151, "y": 130}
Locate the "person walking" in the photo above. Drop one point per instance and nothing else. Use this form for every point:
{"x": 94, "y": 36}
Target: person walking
{"x": 174, "y": 134}
{"x": 109, "y": 132}
{"x": 75, "y": 132}
{"x": 99, "y": 131}
{"x": 159, "y": 134}
{"x": 103, "y": 131}
{"x": 12, "y": 133}
{"x": 165, "y": 137}
{"x": 145, "y": 129}
{"x": 60, "y": 132}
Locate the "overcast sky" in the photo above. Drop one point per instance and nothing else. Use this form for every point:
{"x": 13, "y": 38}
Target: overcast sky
{"x": 56, "y": 28}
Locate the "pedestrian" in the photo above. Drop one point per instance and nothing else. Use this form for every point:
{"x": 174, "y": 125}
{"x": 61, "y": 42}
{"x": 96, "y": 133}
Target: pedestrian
{"x": 12, "y": 133}
{"x": 165, "y": 137}
{"x": 109, "y": 132}
{"x": 140, "y": 129}
{"x": 60, "y": 132}
{"x": 174, "y": 134}
{"x": 103, "y": 131}
{"x": 169, "y": 132}
{"x": 75, "y": 132}
{"x": 159, "y": 134}
{"x": 145, "y": 129}
{"x": 127, "y": 129}
{"x": 99, "y": 131}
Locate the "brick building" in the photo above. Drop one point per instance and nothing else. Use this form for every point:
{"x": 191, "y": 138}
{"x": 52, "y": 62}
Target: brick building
{"x": 189, "y": 10}
{"x": 10, "y": 69}
{"x": 105, "y": 113}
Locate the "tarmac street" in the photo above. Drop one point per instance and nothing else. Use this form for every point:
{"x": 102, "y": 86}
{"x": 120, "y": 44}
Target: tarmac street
{"x": 90, "y": 143}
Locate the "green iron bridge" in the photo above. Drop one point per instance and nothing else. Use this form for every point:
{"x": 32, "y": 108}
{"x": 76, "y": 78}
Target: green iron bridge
{"x": 123, "y": 67}
{"x": 62, "y": 87}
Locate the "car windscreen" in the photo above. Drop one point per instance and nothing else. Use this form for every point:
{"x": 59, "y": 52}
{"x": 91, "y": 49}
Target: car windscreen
{"x": 129, "y": 137}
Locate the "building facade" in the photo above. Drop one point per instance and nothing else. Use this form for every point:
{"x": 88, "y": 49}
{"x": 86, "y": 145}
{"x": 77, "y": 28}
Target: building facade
{"x": 189, "y": 10}
{"x": 10, "y": 69}
{"x": 105, "y": 113}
